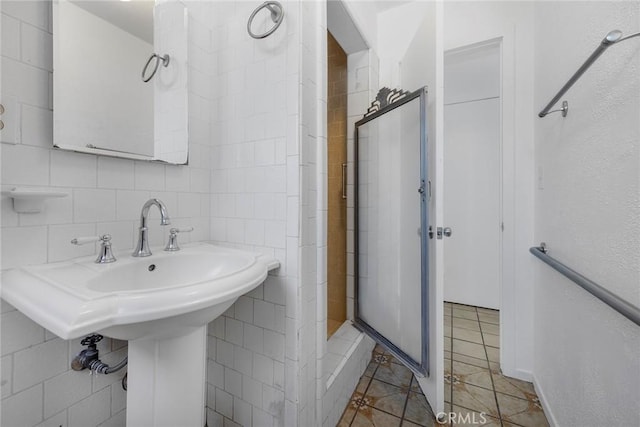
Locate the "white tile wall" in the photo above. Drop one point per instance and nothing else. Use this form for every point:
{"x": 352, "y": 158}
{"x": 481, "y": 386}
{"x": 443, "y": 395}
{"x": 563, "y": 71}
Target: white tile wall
{"x": 254, "y": 174}
{"x": 104, "y": 196}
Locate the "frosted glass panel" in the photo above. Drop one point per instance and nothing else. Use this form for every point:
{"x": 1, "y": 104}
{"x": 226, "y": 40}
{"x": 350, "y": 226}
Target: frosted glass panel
{"x": 389, "y": 265}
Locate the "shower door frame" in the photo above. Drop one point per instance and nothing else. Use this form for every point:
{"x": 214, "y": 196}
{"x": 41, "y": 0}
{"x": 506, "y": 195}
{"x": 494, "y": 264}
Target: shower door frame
{"x": 424, "y": 189}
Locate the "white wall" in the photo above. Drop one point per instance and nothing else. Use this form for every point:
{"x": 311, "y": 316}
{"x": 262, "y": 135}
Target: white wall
{"x": 90, "y": 50}
{"x": 586, "y": 363}
{"x": 105, "y": 196}
{"x": 365, "y": 17}
{"x": 397, "y": 29}
{"x": 467, "y": 23}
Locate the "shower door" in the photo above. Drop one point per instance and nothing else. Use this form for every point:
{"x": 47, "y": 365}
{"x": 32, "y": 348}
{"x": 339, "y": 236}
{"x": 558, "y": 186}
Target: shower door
{"x": 391, "y": 226}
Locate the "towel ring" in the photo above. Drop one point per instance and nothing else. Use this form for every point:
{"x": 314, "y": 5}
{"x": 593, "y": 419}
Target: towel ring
{"x": 277, "y": 14}
{"x": 165, "y": 62}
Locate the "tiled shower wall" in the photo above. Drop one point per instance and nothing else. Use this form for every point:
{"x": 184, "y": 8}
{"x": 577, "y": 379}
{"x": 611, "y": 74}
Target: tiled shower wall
{"x": 337, "y": 213}
{"x": 105, "y": 196}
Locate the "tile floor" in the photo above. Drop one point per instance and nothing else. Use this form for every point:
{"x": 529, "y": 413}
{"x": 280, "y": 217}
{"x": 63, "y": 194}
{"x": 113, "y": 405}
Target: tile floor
{"x": 388, "y": 394}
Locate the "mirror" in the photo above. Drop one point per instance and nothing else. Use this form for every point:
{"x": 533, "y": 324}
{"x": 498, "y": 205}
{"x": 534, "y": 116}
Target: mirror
{"x": 101, "y": 103}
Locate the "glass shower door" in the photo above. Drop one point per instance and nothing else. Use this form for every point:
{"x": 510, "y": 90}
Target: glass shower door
{"x": 391, "y": 229}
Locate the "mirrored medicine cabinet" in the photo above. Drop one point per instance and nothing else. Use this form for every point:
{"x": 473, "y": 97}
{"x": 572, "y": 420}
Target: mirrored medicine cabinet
{"x": 103, "y": 51}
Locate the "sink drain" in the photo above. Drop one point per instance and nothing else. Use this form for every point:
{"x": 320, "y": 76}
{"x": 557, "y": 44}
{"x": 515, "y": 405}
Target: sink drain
{"x": 152, "y": 267}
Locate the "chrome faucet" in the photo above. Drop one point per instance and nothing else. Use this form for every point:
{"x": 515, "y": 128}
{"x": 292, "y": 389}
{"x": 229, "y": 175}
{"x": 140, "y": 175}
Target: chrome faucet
{"x": 142, "y": 248}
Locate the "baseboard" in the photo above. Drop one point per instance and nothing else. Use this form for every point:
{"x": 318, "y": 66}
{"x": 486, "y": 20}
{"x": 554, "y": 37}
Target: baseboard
{"x": 518, "y": 374}
{"x": 545, "y": 404}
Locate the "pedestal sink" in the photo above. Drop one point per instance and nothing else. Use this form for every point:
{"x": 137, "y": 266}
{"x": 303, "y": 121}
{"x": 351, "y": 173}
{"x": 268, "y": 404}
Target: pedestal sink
{"x": 161, "y": 304}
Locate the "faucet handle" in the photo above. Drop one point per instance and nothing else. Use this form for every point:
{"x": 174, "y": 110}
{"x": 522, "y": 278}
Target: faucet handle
{"x": 172, "y": 244}
{"x": 106, "y": 255}
{"x": 89, "y": 239}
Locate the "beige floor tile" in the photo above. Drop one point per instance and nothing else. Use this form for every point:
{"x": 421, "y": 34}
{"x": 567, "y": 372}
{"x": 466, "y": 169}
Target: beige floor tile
{"x": 392, "y": 359}
{"x": 491, "y": 340}
{"x": 406, "y": 423}
{"x": 489, "y": 328}
{"x": 386, "y": 397}
{"x": 363, "y": 384}
{"x": 394, "y": 374}
{"x": 382, "y": 358}
{"x": 468, "y": 349}
{"x": 475, "y": 398}
{"x": 418, "y": 411}
{"x": 447, "y": 343}
{"x": 371, "y": 417}
{"x": 487, "y": 310}
{"x": 513, "y": 387}
{"x": 464, "y": 307}
{"x": 522, "y": 412}
{"x": 470, "y": 360}
{"x": 371, "y": 369}
{"x": 447, "y": 391}
{"x": 489, "y": 318}
{"x": 415, "y": 386}
{"x": 471, "y": 374}
{"x": 447, "y": 331}
{"x": 379, "y": 349}
{"x": 465, "y": 314}
{"x": 351, "y": 409}
{"x": 493, "y": 354}
{"x": 466, "y": 417}
{"x": 466, "y": 324}
{"x": 447, "y": 321}
{"x": 467, "y": 335}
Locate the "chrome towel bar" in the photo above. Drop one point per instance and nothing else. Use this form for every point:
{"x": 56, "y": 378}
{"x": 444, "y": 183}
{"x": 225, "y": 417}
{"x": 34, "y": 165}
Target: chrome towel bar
{"x": 277, "y": 15}
{"x": 612, "y": 37}
{"x": 165, "y": 62}
{"x": 623, "y": 307}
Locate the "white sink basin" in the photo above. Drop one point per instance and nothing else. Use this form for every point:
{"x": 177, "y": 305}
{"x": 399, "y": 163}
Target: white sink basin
{"x": 161, "y": 304}
{"x": 158, "y": 296}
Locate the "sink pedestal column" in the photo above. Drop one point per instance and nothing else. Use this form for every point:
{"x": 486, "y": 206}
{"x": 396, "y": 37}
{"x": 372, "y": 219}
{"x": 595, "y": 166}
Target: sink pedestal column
{"x": 166, "y": 381}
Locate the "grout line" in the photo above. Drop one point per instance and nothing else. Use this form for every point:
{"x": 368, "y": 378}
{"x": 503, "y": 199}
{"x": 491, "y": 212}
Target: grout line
{"x": 406, "y": 400}
{"x": 493, "y": 385}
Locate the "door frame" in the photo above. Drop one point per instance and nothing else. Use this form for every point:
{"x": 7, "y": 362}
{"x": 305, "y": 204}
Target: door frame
{"x": 509, "y": 303}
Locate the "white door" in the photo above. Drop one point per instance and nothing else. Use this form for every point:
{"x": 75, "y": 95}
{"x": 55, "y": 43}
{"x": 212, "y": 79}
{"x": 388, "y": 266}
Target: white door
{"x": 472, "y": 176}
